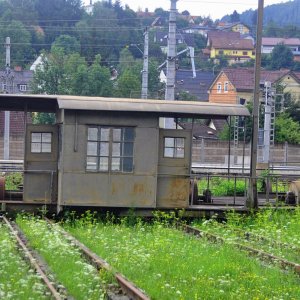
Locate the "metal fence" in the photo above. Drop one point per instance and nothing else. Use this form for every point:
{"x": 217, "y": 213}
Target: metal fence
{"x": 205, "y": 151}
{"x": 216, "y": 152}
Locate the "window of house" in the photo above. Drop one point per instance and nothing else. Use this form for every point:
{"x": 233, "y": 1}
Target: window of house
{"x": 174, "y": 147}
{"x": 221, "y": 52}
{"x": 110, "y": 149}
{"x": 41, "y": 142}
{"x": 245, "y": 53}
{"x": 219, "y": 87}
{"x": 23, "y": 87}
{"x": 226, "y": 86}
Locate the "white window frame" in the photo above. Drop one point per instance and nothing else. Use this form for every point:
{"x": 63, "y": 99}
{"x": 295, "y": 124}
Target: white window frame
{"x": 23, "y": 87}
{"x": 226, "y": 84}
{"x": 219, "y": 87}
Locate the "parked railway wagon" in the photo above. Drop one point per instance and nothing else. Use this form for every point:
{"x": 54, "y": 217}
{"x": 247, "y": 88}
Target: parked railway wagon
{"x": 106, "y": 152}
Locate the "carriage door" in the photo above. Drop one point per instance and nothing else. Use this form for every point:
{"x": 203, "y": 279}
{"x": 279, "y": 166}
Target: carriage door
{"x": 40, "y": 164}
{"x": 173, "y": 168}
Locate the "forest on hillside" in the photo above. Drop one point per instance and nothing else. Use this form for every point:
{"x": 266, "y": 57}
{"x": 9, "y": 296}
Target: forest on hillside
{"x": 282, "y": 14}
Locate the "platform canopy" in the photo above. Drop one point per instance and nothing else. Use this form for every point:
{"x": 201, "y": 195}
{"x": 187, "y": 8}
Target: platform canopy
{"x": 161, "y": 108}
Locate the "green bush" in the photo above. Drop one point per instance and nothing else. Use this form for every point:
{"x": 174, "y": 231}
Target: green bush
{"x": 13, "y": 181}
{"x": 223, "y": 187}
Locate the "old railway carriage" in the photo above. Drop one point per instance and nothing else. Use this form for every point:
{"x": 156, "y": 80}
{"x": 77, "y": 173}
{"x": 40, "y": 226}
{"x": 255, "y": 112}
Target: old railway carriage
{"x": 109, "y": 152}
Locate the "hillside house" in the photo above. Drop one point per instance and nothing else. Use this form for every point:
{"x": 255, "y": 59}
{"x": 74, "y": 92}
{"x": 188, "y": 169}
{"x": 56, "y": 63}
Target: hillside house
{"x": 236, "y": 85}
{"x": 229, "y": 45}
{"x": 198, "y": 29}
{"x": 15, "y": 81}
{"x": 161, "y": 38}
{"x": 268, "y": 44}
{"x": 235, "y": 27}
{"x": 196, "y": 86}
{"x": 209, "y": 129}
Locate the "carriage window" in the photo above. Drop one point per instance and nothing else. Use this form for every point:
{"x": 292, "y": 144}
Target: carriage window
{"x": 174, "y": 147}
{"x": 41, "y": 142}
{"x": 110, "y": 149}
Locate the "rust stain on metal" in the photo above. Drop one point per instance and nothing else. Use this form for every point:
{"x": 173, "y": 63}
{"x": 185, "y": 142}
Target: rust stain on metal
{"x": 178, "y": 189}
{"x": 114, "y": 189}
{"x": 138, "y": 188}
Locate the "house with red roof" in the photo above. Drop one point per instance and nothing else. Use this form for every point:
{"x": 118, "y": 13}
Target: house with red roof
{"x": 230, "y": 45}
{"x": 236, "y": 85}
{"x": 268, "y": 44}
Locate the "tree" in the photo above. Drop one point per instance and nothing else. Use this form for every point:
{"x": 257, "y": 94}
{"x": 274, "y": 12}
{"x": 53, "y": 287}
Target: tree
{"x": 57, "y": 15}
{"x": 49, "y": 75}
{"x": 21, "y": 51}
{"x": 281, "y": 57}
{"x": 186, "y": 13}
{"x": 160, "y": 12}
{"x": 70, "y": 75}
{"x": 234, "y": 17}
{"x": 128, "y": 85}
{"x": 68, "y": 43}
{"x": 286, "y": 129}
{"x": 292, "y": 107}
{"x": 271, "y": 29}
{"x": 126, "y": 60}
{"x": 43, "y": 118}
{"x": 182, "y": 23}
{"x": 99, "y": 79}
{"x": 185, "y": 96}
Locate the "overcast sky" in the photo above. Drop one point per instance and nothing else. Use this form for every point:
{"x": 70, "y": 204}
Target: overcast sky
{"x": 215, "y": 8}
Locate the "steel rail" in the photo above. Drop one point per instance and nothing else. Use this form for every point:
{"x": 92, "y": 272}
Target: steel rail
{"x": 261, "y": 254}
{"x": 250, "y": 235}
{"x": 128, "y": 288}
{"x": 33, "y": 260}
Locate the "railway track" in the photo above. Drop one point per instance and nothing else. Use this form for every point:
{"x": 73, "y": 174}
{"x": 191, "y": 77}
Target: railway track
{"x": 128, "y": 288}
{"x": 248, "y": 235}
{"x": 283, "y": 263}
{"x": 34, "y": 260}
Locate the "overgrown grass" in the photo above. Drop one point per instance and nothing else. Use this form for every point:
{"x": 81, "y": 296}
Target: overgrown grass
{"x": 169, "y": 264}
{"x": 266, "y": 230}
{"x": 17, "y": 280}
{"x": 80, "y": 278}
{"x": 13, "y": 181}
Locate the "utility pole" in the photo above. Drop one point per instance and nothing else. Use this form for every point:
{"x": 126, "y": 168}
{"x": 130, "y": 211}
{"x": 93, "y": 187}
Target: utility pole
{"x": 171, "y": 60}
{"x": 7, "y": 113}
{"x": 252, "y": 199}
{"x": 145, "y": 65}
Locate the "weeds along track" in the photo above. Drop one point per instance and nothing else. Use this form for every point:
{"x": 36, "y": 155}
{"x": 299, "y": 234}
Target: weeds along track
{"x": 34, "y": 260}
{"x": 287, "y": 250}
{"x": 127, "y": 287}
{"x": 282, "y": 262}
{"x": 258, "y": 239}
